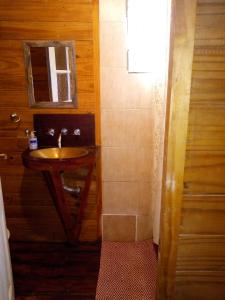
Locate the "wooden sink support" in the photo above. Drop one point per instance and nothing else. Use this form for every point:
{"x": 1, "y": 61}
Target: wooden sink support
{"x": 52, "y": 170}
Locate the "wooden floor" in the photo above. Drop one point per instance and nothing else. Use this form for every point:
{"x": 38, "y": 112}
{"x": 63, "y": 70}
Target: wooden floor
{"x": 50, "y": 271}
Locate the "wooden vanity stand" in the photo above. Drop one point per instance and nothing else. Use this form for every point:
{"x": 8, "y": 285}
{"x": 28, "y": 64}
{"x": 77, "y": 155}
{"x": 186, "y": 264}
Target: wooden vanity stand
{"x": 52, "y": 170}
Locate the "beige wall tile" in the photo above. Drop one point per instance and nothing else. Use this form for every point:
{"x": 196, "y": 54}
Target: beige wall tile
{"x": 143, "y": 89}
{"x": 119, "y": 228}
{"x": 145, "y": 163}
{"x": 120, "y": 89}
{"x": 116, "y": 90}
{"x": 120, "y": 197}
{"x": 119, "y": 128}
{"x": 127, "y": 198}
{"x": 144, "y": 200}
{"x": 119, "y": 164}
{"x": 144, "y": 228}
{"x": 127, "y": 128}
{"x": 113, "y": 44}
{"x": 145, "y": 129}
{"x": 112, "y": 10}
{"x": 126, "y": 164}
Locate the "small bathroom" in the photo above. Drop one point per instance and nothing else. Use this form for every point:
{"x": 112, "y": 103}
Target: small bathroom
{"x": 111, "y": 149}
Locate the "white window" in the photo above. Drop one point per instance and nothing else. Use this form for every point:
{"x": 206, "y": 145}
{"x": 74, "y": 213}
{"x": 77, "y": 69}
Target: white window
{"x": 60, "y": 73}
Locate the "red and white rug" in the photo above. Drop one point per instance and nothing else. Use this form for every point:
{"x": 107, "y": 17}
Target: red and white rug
{"x": 127, "y": 271}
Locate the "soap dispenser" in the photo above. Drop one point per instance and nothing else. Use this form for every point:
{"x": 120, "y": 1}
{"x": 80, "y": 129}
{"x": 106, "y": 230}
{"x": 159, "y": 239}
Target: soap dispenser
{"x": 33, "y": 144}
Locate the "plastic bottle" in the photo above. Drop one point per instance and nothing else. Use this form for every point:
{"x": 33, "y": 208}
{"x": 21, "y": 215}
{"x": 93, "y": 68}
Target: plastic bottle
{"x": 33, "y": 144}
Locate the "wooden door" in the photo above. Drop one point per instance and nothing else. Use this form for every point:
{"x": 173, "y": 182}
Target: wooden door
{"x": 200, "y": 270}
{"x": 192, "y": 251}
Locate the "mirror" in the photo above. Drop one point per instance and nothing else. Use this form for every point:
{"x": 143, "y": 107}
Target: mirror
{"x": 50, "y": 69}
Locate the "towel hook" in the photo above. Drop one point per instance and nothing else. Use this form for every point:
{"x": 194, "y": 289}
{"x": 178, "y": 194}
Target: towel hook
{"x": 15, "y": 118}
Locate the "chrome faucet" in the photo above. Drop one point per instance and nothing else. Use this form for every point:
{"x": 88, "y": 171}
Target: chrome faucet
{"x": 64, "y": 131}
{"x": 60, "y": 140}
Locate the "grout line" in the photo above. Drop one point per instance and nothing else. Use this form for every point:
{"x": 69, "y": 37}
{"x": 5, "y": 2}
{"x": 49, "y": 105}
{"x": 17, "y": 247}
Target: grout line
{"x": 119, "y": 215}
{"x": 136, "y": 230}
{"x": 102, "y": 227}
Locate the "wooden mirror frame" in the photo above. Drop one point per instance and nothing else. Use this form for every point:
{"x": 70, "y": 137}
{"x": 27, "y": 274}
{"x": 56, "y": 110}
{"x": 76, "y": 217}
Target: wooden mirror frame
{"x": 29, "y": 75}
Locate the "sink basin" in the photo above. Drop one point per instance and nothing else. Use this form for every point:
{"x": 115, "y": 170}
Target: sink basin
{"x": 59, "y": 153}
{"x": 65, "y": 158}
{"x": 45, "y": 159}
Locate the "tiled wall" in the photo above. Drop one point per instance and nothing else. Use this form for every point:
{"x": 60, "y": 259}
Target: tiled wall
{"x": 132, "y": 122}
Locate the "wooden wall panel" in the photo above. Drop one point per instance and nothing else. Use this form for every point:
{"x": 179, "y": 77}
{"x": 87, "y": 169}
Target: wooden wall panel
{"x": 12, "y": 30}
{"x": 13, "y": 92}
{"x": 29, "y": 208}
{"x": 16, "y": 99}
{"x": 80, "y": 11}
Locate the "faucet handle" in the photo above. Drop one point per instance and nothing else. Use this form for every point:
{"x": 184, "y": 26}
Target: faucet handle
{"x": 51, "y": 131}
{"x": 64, "y": 131}
{"x": 76, "y": 131}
